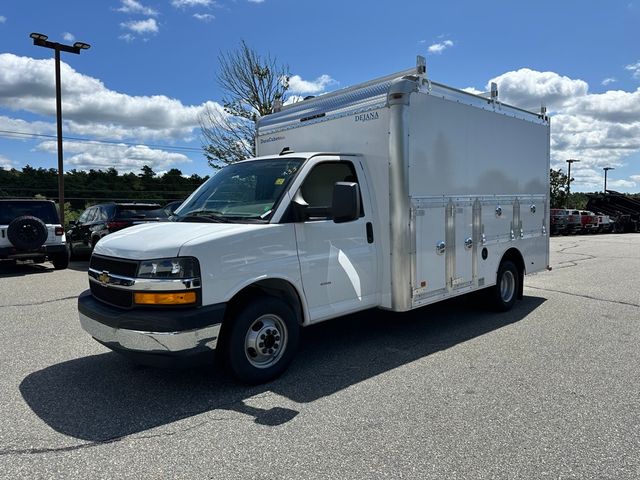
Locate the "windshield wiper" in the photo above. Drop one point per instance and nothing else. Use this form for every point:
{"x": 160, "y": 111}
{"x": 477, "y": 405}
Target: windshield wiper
{"x": 207, "y": 215}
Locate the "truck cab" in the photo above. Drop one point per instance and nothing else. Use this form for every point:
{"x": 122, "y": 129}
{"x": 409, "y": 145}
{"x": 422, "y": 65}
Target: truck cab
{"x": 294, "y": 230}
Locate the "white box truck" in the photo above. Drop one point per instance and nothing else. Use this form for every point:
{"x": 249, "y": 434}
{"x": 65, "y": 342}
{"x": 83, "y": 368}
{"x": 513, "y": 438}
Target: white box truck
{"x": 395, "y": 193}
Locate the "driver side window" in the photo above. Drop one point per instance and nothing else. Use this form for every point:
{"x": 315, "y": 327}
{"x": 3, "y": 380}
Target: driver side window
{"x": 317, "y": 188}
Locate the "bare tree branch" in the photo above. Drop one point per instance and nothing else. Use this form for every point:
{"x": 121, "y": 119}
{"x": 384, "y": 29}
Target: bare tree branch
{"x": 251, "y": 84}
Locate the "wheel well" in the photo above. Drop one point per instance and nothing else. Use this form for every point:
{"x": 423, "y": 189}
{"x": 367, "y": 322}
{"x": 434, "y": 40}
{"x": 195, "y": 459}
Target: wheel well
{"x": 514, "y": 255}
{"x": 273, "y": 287}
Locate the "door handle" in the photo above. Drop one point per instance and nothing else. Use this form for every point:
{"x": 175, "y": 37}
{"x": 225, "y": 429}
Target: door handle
{"x": 369, "y": 232}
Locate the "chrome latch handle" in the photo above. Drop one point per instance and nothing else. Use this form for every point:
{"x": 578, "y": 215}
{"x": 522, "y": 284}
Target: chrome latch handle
{"x": 468, "y": 243}
{"x": 440, "y": 248}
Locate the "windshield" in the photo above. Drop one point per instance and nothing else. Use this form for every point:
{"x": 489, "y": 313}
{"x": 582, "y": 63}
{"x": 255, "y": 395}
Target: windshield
{"x": 241, "y": 191}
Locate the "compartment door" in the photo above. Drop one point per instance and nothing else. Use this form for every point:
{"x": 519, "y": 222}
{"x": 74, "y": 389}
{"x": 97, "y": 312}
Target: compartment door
{"x": 461, "y": 265}
{"x": 429, "y": 267}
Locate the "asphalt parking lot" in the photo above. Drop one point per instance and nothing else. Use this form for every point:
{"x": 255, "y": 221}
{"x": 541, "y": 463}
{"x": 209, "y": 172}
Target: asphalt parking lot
{"x": 548, "y": 390}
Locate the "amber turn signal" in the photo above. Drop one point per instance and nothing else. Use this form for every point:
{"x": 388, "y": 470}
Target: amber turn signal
{"x": 182, "y": 298}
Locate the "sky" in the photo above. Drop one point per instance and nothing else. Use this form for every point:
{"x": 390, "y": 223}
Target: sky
{"x": 135, "y": 96}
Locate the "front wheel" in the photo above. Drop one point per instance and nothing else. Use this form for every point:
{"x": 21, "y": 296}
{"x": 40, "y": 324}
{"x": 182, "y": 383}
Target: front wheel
{"x": 507, "y": 286}
{"x": 262, "y": 340}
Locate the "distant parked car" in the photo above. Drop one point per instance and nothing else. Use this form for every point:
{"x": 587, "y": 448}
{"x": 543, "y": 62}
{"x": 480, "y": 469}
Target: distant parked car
{"x": 100, "y": 220}
{"x": 574, "y": 222}
{"x": 31, "y": 230}
{"x": 589, "y": 221}
{"x": 171, "y": 207}
{"x": 605, "y": 224}
{"x": 558, "y": 221}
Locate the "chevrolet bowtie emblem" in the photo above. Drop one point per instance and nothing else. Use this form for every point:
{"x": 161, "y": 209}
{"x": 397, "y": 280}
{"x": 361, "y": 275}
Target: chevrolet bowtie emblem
{"x": 104, "y": 277}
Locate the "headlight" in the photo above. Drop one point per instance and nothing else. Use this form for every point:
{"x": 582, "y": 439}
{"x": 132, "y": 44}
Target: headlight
{"x": 170, "y": 268}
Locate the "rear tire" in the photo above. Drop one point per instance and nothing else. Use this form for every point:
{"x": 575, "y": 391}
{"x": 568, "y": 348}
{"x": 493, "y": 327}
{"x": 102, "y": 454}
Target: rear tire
{"x": 261, "y": 340}
{"x": 505, "y": 292}
{"x": 60, "y": 260}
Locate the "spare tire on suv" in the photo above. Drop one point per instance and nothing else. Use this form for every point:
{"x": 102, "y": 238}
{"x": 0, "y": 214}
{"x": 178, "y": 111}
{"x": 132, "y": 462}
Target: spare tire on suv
{"x": 31, "y": 230}
{"x": 27, "y": 233}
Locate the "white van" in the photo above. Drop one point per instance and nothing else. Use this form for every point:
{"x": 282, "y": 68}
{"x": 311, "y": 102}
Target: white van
{"x": 395, "y": 193}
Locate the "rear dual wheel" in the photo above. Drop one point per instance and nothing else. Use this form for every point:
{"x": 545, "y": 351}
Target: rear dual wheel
{"x": 505, "y": 292}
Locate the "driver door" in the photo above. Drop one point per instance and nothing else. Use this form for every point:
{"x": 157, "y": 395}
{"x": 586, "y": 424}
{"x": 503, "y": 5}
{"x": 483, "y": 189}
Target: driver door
{"x": 338, "y": 261}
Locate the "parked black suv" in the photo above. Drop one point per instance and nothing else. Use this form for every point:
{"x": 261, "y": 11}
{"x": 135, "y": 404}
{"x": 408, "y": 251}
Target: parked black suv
{"x": 100, "y": 220}
{"x": 31, "y": 230}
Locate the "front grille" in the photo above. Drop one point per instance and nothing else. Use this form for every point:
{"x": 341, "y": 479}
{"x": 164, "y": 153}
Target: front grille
{"x": 113, "y": 296}
{"x": 126, "y": 268}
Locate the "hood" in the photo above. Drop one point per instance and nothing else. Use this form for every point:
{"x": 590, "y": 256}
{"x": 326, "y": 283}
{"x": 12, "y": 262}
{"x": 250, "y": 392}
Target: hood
{"x": 164, "y": 240}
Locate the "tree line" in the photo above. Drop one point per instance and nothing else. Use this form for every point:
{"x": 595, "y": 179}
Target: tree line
{"x": 83, "y": 188}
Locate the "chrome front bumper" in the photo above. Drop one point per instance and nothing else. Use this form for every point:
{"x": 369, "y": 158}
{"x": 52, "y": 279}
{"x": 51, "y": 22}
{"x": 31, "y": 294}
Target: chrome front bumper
{"x": 156, "y": 331}
{"x": 198, "y": 340}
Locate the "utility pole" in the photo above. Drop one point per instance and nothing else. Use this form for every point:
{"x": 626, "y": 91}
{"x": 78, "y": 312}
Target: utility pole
{"x": 570, "y": 161}
{"x": 40, "y": 40}
{"x": 606, "y": 169}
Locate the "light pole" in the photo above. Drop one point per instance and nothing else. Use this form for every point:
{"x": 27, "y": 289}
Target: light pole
{"x": 570, "y": 161}
{"x": 41, "y": 41}
{"x": 606, "y": 169}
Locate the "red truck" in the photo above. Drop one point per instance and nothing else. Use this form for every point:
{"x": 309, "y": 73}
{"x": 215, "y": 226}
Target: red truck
{"x": 589, "y": 222}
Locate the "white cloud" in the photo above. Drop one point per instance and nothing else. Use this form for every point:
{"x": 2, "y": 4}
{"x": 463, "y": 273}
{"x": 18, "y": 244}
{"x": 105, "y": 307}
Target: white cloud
{"x": 634, "y": 68}
{"x": 133, "y": 6}
{"x": 204, "y": 17}
{"x": 142, "y": 26}
{"x": 68, "y": 37}
{"x": 20, "y": 126}
{"x": 313, "y": 87}
{"x": 635, "y": 178}
{"x": 614, "y": 106}
{"x": 529, "y": 89}
{"x": 192, "y": 3}
{"x": 256, "y": 1}
{"x": 438, "y": 48}
{"x": 91, "y": 109}
{"x": 127, "y": 37}
{"x": 608, "y": 81}
{"x": 124, "y": 158}
{"x": 620, "y": 184}
{"x": 473, "y": 90}
{"x": 6, "y": 163}
{"x": 3, "y": 19}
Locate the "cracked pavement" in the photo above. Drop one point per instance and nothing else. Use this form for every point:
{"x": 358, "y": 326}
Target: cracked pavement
{"x": 548, "y": 390}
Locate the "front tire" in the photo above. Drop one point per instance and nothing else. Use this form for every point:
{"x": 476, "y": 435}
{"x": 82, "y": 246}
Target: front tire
{"x": 505, "y": 292}
{"x": 261, "y": 341}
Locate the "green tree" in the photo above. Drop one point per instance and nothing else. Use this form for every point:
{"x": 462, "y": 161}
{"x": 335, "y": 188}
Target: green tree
{"x": 251, "y": 85}
{"x": 558, "y": 184}
{"x": 578, "y": 200}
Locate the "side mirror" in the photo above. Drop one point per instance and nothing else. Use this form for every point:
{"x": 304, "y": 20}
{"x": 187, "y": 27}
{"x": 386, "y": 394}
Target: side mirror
{"x": 345, "y": 206}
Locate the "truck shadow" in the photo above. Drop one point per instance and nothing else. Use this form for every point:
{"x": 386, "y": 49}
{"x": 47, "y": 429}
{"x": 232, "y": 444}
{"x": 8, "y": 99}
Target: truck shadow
{"x": 20, "y": 269}
{"x": 104, "y": 397}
